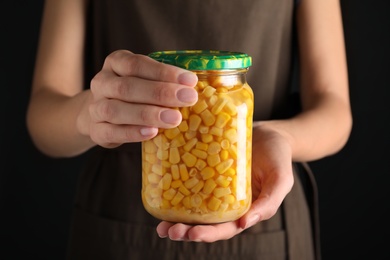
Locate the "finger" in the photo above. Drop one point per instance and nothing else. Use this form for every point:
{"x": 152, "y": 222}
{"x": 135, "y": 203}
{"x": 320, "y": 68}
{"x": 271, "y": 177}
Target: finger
{"x": 110, "y": 136}
{"x": 126, "y": 63}
{"x": 163, "y": 228}
{"x": 212, "y": 233}
{"x": 117, "y": 112}
{"x": 138, "y": 90}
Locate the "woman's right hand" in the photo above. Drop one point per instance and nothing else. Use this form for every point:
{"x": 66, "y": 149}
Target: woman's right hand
{"x": 134, "y": 95}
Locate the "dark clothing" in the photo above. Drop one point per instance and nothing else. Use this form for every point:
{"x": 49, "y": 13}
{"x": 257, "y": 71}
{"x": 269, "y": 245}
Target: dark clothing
{"x": 109, "y": 219}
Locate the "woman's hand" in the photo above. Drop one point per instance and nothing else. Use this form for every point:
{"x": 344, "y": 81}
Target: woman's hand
{"x": 132, "y": 96}
{"x": 272, "y": 180}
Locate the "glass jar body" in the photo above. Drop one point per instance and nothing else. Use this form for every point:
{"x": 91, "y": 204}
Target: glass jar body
{"x": 200, "y": 171}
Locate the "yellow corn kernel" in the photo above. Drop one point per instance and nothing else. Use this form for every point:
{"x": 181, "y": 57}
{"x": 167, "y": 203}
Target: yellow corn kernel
{"x": 190, "y": 183}
{"x": 230, "y": 172}
{"x": 216, "y": 131}
{"x": 153, "y": 202}
{"x": 174, "y": 155}
{"x": 183, "y": 172}
{"x": 214, "y": 203}
{"x": 207, "y": 138}
{"x": 225, "y": 144}
{"x": 187, "y": 202}
{"x": 177, "y": 199}
{"x": 207, "y": 173}
{"x": 217, "y": 108}
{"x": 175, "y": 171}
{"x": 165, "y": 182}
{"x": 199, "y": 153}
{"x": 201, "y": 146}
{"x": 201, "y": 84}
{"x": 223, "y": 181}
{"x": 222, "y": 89}
{"x": 199, "y": 106}
{"x": 233, "y": 151}
{"x": 229, "y": 198}
{"x": 213, "y": 160}
{"x": 207, "y": 117}
{"x": 208, "y": 91}
{"x": 224, "y": 155}
{"x": 222, "y": 119}
{"x": 212, "y": 100}
{"x": 200, "y": 164}
{"x": 161, "y": 142}
{"x": 154, "y": 192}
{"x": 189, "y": 159}
{"x": 230, "y": 108}
{"x": 214, "y": 148}
{"x": 154, "y": 178}
{"x": 165, "y": 204}
{"x": 149, "y": 147}
{"x": 203, "y": 129}
{"x": 224, "y": 165}
{"x": 231, "y": 135}
{"x": 194, "y": 122}
{"x": 190, "y": 144}
{"x": 184, "y": 190}
{"x": 220, "y": 192}
{"x": 183, "y": 126}
{"x": 209, "y": 186}
{"x": 233, "y": 122}
{"x": 162, "y": 154}
{"x": 171, "y": 132}
{"x": 157, "y": 169}
{"x": 151, "y": 158}
{"x": 185, "y": 112}
{"x": 196, "y": 200}
{"x": 198, "y": 187}
{"x": 176, "y": 184}
{"x": 190, "y": 134}
{"x": 178, "y": 141}
{"x": 169, "y": 194}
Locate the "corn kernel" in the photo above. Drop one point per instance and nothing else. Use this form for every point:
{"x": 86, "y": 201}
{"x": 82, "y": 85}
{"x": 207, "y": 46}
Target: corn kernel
{"x": 233, "y": 152}
{"x": 185, "y": 112}
{"x": 199, "y": 106}
{"x": 214, "y": 148}
{"x": 213, "y": 160}
{"x": 223, "y": 181}
{"x": 200, "y": 164}
{"x": 229, "y": 198}
{"x": 165, "y": 182}
{"x": 222, "y": 119}
{"x": 157, "y": 169}
{"x": 171, "y": 133}
{"x": 220, "y": 192}
{"x": 183, "y": 126}
{"x": 176, "y": 184}
{"x": 190, "y": 183}
{"x": 231, "y": 135}
{"x": 193, "y": 171}
{"x": 224, "y": 155}
{"x": 208, "y": 91}
{"x": 203, "y": 129}
{"x": 230, "y": 108}
{"x": 189, "y": 159}
{"x": 201, "y": 146}
{"x": 190, "y": 144}
{"x": 184, "y": 190}
{"x": 175, "y": 172}
{"x": 198, "y": 187}
{"x": 154, "y": 178}
{"x": 207, "y": 117}
{"x": 169, "y": 194}
{"x": 183, "y": 172}
{"x": 177, "y": 199}
{"x": 225, "y": 144}
{"x": 212, "y": 100}
{"x": 187, "y": 202}
{"x": 161, "y": 142}
{"x": 214, "y": 203}
{"x": 217, "y": 108}
{"x": 207, "y": 173}
{"x": 194, "y": 122}
{"x": 216, "y": 131}
{"x": 230, "y": 172}
{"x": 209, "y": 186}
{"x": 149, "y": 147}
{"x": 224, "y": 165}
{"x": 174, "y": 155}
{"x": 162, "y": 154}
{"x": 196, "y": 200}
{"x": 207, "y": 138}
{"x": 165, "y": 204}
{"x": 190, "y": 134}
{"x": 199, "y": 153}
{"x": 178, "y": 141}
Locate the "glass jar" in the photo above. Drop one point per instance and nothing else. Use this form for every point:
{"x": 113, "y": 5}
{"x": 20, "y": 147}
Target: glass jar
{"x": 200, "y": 171}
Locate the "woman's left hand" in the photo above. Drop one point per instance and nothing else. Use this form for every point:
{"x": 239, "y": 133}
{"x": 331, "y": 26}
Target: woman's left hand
{"x": 272, "y": 180}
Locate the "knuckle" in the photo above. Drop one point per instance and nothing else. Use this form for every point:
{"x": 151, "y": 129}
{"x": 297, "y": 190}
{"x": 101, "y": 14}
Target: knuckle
{"x": 105, "y": 111}
{"x": 146, "y": 116}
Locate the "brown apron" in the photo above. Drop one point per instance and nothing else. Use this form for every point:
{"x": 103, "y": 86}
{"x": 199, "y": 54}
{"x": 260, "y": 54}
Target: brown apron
{"x": 109, "y": 221}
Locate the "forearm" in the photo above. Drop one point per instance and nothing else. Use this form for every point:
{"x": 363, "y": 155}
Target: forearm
{"x": 317, "y": 132}
{"x": 52, "y": 121}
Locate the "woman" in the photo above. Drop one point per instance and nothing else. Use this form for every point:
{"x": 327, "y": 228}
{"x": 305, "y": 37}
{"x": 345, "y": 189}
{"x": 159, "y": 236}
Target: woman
{"x": 95, "y": 91}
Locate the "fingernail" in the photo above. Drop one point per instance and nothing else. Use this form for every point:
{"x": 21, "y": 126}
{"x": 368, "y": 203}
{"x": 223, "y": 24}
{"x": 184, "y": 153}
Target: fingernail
{"x": 188, "y": 78}
{"x": 187, "y": 95}
{"x": 148, "y": 131}
{"x": 170, "y": 116}
{"x": 252, "y": 221}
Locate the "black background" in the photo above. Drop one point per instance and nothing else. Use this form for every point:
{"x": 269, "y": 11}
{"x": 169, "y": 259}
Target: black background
{"x": 36, "y": 192}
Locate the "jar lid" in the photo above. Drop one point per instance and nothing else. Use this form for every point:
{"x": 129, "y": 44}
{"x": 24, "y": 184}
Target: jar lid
{"x": 204, "y": 59}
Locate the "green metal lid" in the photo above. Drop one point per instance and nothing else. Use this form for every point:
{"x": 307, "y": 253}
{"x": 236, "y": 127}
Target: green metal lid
{"x": 204, "y": 59}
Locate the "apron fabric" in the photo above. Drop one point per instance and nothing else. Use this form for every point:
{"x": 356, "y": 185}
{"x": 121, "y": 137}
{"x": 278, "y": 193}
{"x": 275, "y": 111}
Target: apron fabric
{"x": 109, "y": 221}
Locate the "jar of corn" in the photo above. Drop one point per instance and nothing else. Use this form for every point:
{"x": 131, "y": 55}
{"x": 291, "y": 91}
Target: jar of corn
{"x": 200, "y": 171}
